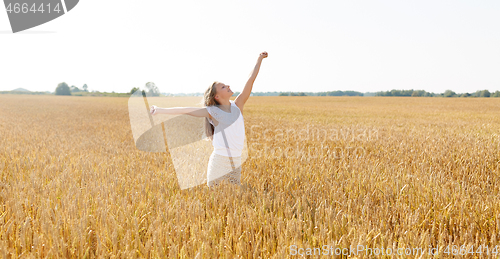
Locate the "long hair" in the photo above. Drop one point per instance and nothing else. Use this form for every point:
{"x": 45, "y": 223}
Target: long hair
{"x": 209, "y": 100}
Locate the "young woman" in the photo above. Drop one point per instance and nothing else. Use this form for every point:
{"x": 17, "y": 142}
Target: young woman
{"x": 225, "y": 117}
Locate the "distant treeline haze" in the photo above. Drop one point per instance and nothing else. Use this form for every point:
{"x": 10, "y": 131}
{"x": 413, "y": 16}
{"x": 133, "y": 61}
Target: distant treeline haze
{"x": 152, "y": 89}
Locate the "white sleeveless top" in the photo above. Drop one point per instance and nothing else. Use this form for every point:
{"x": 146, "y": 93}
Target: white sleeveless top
{"x": 232, "y": 126}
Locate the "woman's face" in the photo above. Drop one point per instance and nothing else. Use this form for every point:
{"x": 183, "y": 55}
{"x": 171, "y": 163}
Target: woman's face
{"x": 223, "y": 91}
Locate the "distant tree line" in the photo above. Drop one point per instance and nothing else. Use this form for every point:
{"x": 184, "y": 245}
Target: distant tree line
{"x": 447, "y": 93}
{"x": 414, "y": 93}
{"x": 409, "y": 93}
{"x": 340, "y": 93}
{"x": 479, "y": 93}
{"x": 292, "y": 94}
{"x": 329, "y": 93}
{"x": 64, "y": 89}
{"x": 152, "y": 90}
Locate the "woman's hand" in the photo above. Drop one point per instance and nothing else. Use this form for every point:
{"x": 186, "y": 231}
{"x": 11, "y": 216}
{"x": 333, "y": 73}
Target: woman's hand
{"x": 263, "y": 55}
{"x": 153, "y": 109}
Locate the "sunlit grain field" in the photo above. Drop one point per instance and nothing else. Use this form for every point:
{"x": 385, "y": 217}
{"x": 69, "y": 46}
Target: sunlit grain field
{"x": 323, "y": 175}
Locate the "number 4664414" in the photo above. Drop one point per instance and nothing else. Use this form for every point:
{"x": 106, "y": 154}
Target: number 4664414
{"x": 462, "y": 250}
{"x": 25, "y": 8}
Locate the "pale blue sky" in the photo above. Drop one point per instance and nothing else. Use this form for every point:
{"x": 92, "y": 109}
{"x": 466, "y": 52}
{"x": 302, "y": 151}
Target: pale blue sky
{"x": 183, "y": 46}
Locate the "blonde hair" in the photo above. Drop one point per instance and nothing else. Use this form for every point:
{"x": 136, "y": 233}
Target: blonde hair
{"x": 209, "y": 100}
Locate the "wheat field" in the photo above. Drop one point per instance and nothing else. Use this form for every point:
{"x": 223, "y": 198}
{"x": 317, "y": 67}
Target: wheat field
{"x": 323, "y": 174}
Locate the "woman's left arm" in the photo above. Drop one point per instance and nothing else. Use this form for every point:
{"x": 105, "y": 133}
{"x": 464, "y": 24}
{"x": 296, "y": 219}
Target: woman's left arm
{"x": 242, "y": 98}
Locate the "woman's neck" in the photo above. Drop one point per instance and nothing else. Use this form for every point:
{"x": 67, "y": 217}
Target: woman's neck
{"x": 225, "y": 105}
{"x": 225, "y": 102}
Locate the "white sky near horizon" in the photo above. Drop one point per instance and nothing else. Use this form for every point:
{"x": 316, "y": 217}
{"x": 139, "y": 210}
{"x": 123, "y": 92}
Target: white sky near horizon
{"x": 183, "y": 46}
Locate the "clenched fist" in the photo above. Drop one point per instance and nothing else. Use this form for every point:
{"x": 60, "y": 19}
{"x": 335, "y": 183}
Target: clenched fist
{"x": 153, "y": 110}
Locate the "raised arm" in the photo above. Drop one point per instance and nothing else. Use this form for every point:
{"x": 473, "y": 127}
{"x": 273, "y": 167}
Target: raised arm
{"x": 242, "y": 98}
{"x": 193, "y": 111}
